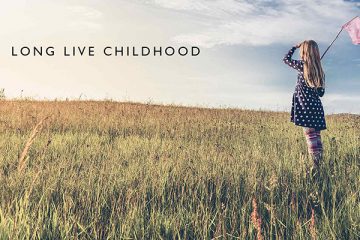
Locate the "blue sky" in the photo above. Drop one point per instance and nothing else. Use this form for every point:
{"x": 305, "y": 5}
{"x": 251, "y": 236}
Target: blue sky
{"x": 242, "y": 44}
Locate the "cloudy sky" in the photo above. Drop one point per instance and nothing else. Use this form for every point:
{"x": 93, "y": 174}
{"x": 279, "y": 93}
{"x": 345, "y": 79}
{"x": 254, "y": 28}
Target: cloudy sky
{"x": 240, "y": 65}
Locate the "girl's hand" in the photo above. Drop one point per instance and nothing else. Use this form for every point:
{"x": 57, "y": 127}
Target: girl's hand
{"x": 298, "y": 45}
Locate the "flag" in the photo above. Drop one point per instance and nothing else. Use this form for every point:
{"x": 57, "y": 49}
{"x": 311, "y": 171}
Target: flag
{"x": 353, "y": 28}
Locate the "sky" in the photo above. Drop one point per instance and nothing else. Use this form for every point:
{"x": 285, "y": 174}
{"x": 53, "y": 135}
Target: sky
{"x": 240, "y": 65}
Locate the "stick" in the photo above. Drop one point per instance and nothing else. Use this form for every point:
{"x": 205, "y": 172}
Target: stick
{"x": 336, "y": 37}
{"x": 331, "y": 43}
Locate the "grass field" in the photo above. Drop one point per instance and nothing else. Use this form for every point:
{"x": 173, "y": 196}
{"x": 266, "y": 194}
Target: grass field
{"x": 107, "y": 170}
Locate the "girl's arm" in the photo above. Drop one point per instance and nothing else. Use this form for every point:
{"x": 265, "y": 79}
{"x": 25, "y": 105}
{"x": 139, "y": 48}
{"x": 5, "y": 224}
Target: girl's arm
{"x": 320, "y": 91}
{"x": 296, "y": 64}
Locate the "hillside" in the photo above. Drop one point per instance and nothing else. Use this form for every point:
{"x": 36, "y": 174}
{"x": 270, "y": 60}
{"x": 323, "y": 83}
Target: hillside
{"x": 96, "y": 170}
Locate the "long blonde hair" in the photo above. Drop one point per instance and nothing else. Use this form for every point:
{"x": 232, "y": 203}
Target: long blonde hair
{"x": 313, "y": 72}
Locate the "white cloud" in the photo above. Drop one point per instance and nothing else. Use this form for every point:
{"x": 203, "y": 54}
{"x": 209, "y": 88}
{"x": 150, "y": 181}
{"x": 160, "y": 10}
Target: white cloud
{"x": 86, "y": 12}
{"x": 261, "y": 22}
{"x": 336, "y": 103}
{"x": 337, "y": 97}
{"x": 85, "y": 17}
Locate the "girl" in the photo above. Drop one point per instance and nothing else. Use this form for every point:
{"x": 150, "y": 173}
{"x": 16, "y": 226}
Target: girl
{"x": 307, "y": 110}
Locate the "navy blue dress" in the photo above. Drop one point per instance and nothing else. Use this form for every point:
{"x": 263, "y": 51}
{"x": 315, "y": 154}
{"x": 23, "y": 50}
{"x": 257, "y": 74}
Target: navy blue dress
{"x": 306, "y": 109}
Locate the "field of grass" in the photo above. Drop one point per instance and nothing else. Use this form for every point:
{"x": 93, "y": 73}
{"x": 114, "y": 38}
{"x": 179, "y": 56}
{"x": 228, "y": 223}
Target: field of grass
{"x": 107, "y": 170}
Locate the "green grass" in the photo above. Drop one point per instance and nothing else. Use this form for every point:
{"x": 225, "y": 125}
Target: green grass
{"x": 106, "y": 170}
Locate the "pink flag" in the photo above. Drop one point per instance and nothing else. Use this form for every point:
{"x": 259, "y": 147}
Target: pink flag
{"x": 353, "y": 28}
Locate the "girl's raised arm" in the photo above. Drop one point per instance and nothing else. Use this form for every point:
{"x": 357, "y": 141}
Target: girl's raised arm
{"x": 296, "y": 64}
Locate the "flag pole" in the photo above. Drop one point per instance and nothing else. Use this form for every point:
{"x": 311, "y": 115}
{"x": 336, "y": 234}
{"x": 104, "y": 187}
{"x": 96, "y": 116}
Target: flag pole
{"x": 332, "y": 43}
{"x": 342, "y": 28}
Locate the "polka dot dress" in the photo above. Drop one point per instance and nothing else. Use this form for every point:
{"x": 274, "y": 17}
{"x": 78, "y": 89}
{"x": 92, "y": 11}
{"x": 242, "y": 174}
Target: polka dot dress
{"x": 306, "y": 109}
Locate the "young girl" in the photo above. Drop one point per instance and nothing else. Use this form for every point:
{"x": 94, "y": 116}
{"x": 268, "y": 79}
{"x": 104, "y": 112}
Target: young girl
{"x": 307, "y": 110}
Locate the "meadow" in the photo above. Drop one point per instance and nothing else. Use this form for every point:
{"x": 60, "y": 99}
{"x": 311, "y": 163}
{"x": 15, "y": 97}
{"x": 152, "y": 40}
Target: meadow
{"x": 110, "y": 170}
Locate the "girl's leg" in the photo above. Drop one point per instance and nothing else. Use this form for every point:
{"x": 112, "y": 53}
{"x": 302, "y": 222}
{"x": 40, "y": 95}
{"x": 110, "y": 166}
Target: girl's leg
{"x": 314, "y": 144}
{"x": 311, "y": 139}
{"x": 320, "y": 146}
{"x": 319, "y": 150}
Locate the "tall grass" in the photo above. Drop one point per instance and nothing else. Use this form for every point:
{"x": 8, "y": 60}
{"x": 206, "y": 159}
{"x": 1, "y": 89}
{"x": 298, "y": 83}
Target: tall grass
{"x": 106, "y": 170}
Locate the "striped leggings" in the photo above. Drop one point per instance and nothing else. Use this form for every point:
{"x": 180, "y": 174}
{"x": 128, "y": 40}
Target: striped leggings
{"x": 313, "y": 140}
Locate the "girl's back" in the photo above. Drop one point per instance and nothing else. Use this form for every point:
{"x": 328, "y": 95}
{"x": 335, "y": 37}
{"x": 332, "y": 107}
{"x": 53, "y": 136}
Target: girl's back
{"x": 307, "y": 110}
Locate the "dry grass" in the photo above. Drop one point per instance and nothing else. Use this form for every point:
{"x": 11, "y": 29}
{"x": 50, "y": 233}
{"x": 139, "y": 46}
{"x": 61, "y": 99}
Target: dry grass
{"x": 256, "y": 220}
{"x": 35, "y": 131}
{"x": 106, "y": 170}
